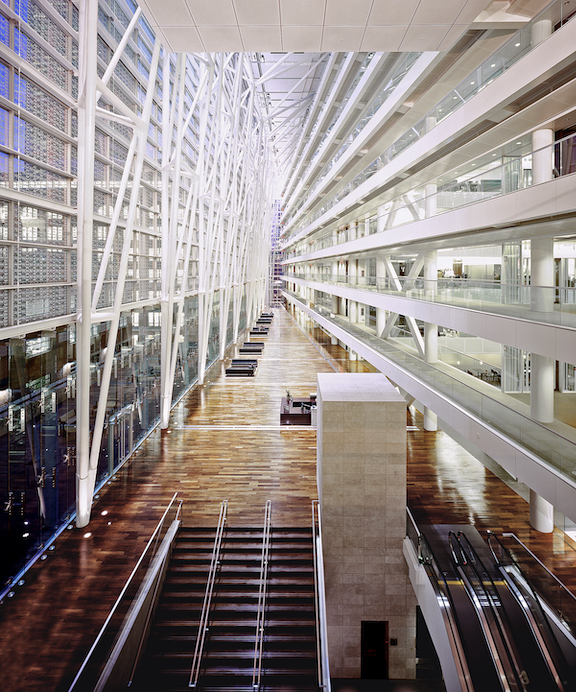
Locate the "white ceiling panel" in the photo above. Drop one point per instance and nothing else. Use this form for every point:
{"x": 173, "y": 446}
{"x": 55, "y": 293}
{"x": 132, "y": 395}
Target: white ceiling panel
{"x": 391, "y": 12}
{"x": 345, "y": 25}
{"x": 184, "y": 39}
{"x": 173, "y": 13}
{"x": 221, "y": 38}
{"x": 300, "y": 12}
{"x": 302, "y": 38}
{"x": 424, "y": 37}
{"x": 336, "y": 37}
{"x": 389, "y": 36}
{"x": 344, "y": 13}
{"x": 212, "y": 13}
{"x": 261, "y": 38}
{"x": 257, "y": 12}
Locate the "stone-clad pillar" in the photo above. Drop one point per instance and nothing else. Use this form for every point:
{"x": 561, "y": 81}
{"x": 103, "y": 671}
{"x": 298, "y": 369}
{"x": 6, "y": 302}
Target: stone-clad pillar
{"x": 362, "y": 490}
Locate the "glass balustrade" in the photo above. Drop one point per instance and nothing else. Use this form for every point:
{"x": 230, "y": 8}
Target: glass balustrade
{"x": 395, "y": 80}
{"x": 512, "y": 300}
{"x": 480, "y": 181}
{"x": 516, "y": 48}
{"x": 496, "y": 410}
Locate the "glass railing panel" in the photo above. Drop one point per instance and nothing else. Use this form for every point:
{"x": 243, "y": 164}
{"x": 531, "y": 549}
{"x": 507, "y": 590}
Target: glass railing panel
{"x": 512, "y": 300}
{"x": 518, "y": 46}
{"x": 548, "y": 587}
{"x": 555, "y": 449}
{"x": 400, "y": 73}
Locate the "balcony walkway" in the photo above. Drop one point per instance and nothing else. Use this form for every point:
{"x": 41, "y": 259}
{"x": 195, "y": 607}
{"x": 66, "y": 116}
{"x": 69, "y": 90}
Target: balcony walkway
{"x": 225, "y": 441}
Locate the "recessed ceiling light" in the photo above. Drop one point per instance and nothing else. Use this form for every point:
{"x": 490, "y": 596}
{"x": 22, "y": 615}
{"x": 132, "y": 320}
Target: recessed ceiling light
{"x": 493, "y": 64}
{"x": 87, "y": 535}
{"x": 516, "y": 45}
{"x": 472, "y": 82}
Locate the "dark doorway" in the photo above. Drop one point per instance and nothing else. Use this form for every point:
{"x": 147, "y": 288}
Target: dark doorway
{"x": 374, "y": 650}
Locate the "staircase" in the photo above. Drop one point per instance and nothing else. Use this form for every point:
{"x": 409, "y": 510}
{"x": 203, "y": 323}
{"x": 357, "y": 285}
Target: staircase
{"x": 289, "y": 644}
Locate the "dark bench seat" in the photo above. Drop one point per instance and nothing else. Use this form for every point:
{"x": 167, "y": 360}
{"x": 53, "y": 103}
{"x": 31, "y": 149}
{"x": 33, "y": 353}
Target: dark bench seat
{"x": 239, "y": 371}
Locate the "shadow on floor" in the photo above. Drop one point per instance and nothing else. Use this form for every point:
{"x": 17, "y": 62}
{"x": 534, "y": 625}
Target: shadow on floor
{"x": 344, "y": 685}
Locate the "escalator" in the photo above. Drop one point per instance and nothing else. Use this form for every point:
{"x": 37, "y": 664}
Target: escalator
{"x": 500, "y": 634}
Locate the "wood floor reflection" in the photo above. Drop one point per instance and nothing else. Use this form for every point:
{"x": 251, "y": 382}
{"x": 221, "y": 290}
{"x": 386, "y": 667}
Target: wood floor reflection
{"x": 225, "y": 442}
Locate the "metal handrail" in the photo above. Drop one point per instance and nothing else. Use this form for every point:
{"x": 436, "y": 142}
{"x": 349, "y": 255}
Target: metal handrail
{"x": 262, "y": 593}
{"x": 501, "y": 647}
{"x": 205, "y": 614}
{"x": 565, "y": 590}
{"x": 152, "y": 540}
{"x": 439, "y": 584}
{"x": 320, "y": 600}
{"x": 534, "y": 605}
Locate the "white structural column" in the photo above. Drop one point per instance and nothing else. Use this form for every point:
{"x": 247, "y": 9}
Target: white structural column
{"x": 541, "y": 513}
{"x": 542, "y": 286}
{"x": 335, "y": 299}
{"x": 87, "y": 76}
{"x": 380, "y": 277}
{"x": 542, "y": 299}
{"x": 430, "y": 330}
{"x": 353, "y": 281}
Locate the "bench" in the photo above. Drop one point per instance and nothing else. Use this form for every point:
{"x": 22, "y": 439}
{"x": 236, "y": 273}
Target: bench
{"x": 240, "y": 371}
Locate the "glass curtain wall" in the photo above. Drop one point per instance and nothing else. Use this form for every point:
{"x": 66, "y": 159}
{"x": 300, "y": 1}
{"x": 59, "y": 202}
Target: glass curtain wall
{"x": 38, "y": 262}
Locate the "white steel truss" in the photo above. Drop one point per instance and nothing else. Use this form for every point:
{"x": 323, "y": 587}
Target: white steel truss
{"x": 215, "y": 215}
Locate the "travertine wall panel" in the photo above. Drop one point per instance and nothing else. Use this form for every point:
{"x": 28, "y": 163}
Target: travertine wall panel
{"x": 362, "y": 489}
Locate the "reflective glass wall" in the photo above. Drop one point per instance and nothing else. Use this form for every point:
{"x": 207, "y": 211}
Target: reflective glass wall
{"x": 38, "y": 415}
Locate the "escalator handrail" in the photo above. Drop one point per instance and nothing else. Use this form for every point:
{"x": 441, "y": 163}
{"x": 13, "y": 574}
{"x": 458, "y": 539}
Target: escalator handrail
{"x": 536, "y": 604}
{"x": 438, "y": 580}
{"x": 205, "y": 614}
{"x": 506, "y": 662}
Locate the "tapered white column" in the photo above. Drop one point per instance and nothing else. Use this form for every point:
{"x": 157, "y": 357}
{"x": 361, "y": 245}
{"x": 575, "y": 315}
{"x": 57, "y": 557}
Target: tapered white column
{"x": 430, "y": 330}
{"x": 87, "y": 75}
{"x": 542, "y": 388}
{"x": 380, "y": 280}
{"x": 540, "y": 31}
{"x": 542, "y": 274}
{"x": 541, "y": 513}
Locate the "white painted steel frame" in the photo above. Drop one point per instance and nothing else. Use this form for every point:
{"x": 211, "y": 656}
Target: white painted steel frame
{"x": 220, "y": 209}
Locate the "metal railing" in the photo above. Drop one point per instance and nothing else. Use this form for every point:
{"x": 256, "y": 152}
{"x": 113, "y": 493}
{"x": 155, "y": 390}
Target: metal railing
{"x": 439, "y": 584}
{"x": 98, "y": 655}
{"x": 507, "y": 55}
{"x": 482, "y": 591}
{"x": 205, "y": 614}
{"x": 554, "y": 446}
{"x": 320, "y": 600}
{"x": 262, "y": 593}
{"x": 533, "y": 608}
{"x": 560, "y": 600}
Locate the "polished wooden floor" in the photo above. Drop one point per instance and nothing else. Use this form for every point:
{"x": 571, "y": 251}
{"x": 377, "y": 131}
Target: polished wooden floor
{"x": 225, "y": 442}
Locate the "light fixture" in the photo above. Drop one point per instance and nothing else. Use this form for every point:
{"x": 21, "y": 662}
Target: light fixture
{"x": 87, "y": 535}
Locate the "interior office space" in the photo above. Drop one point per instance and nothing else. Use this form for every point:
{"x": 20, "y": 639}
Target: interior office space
{"x": 170, "y": 169}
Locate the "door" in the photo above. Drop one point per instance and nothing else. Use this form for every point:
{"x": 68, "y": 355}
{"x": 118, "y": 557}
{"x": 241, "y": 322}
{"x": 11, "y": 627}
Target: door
{"x": 374, "y": 650}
